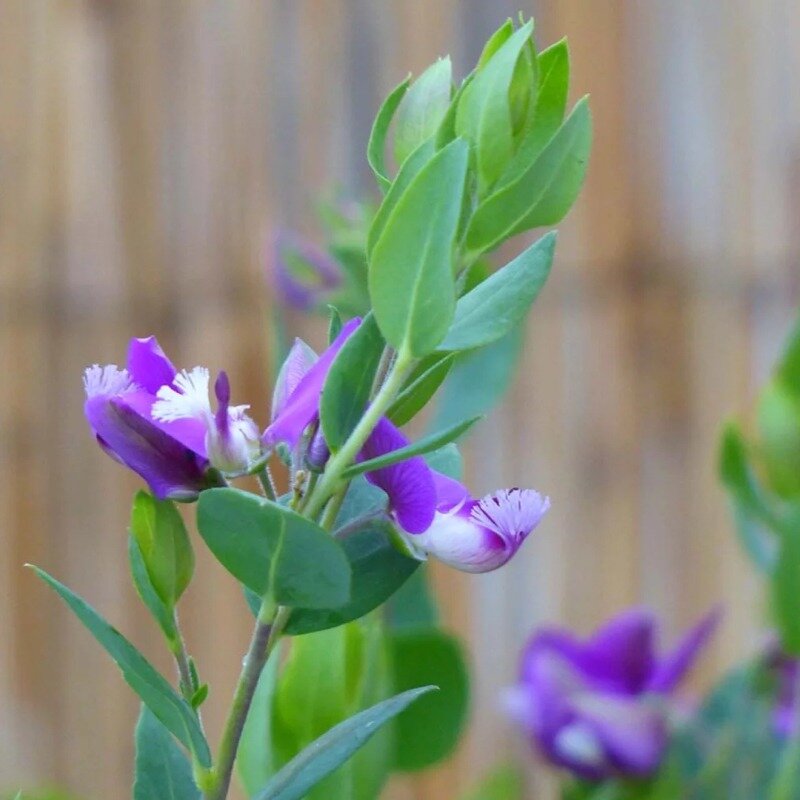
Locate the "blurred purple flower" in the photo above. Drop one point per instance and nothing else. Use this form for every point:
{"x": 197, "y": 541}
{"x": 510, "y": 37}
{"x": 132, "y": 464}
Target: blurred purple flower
{"x": 159, "y": 422}
{"x": 786, "y": 670}
{"x": 599, "y": 707}
{"x": 303, "y": 274}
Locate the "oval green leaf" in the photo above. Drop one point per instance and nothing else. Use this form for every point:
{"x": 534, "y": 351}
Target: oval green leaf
{"x": 272, "y": 550}
{"x": 411, "y": 281}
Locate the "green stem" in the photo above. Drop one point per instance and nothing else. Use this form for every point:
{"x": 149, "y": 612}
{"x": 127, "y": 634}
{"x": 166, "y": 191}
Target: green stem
{"x": 331, "y": 511}
{"x": 178, "y": 647}
{"x": 265, "y": 635}
{"x": 265, "y": 479}
{"x": 346, "y": 455}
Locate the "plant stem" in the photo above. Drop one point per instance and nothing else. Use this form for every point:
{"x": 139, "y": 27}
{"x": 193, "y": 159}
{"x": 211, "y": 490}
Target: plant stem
{"x": 349, "y": 450}
{"x": 331, "y": 511}
{"x": 265, "y": 479}
{"x": 178, "y": 648}
{"x": 265, "y": 635}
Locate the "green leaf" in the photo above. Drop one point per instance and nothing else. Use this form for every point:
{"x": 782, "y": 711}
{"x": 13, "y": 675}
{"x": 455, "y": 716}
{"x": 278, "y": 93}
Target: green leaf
{"x": 788, "y": 371}
{"x": 162, "y": 770}
{"x": 751, "y": 507}
{"x": 447, "y": 460}
{"x": 173, "y": 712}
{"x": 425, "y": 445}
{"x": 164, "y": 545}
{"x": 334, "y": 323}
{"x": 334, "y": 748}
{"x": 779, "y": 428}
{"x": 786, "y": 591}
{"x": 145, "y": 590}
{"x": 484, "y": 114}
{"x": 254, "y": 758}
{"x": 376, "y": 147}
{"x": 413, "y": 606}
{"x": 503, "y": 783}
{"x": 421, "y": 386}
{"x": 272, "y": 550}
{"x": 543, "y": 193}
{"x": 422, "y": 109}
{"x": 430, "y": 730}
{"x": 548, "y": 113}
{"x": 361, "y": 499}
{"x": 378, "y": 570}
{"x": 496, "y": 40}
{"x": 408, "y": 171}
{"x": 411, "y": 274}
{"x": 349, "y": 383}
{"x": 479, "y": 379}
{"x": 787, "y": 781}
{"x": 493, "y": 308}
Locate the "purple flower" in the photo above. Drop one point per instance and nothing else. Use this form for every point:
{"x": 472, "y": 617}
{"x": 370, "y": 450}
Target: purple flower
{"x": 439, "y": 517}
{"x": 786, "y": 670}
{"x": 303, "y": 274}
{"x": 295, "y": 404}
{"x": 159, "y": 422}
{"x": 599, "y": 707}
{"x": 436, "y": 515}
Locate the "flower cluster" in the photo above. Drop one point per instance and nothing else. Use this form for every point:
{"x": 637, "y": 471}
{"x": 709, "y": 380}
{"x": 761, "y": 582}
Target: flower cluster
{"x": 600, "y": 707}
{"x": 159, "y": 422}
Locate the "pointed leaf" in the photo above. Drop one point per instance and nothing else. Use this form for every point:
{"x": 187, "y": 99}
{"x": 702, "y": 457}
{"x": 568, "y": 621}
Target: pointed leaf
{"x": 411, "y": 275}
{"x": 145, "y": 590}
{"x": 425, "y": 445}
{"x": 162, "y": 770}
{"x": 349, "y": 383}
{"x": 272, "y": 550}
{"x": 484, "y": 114}
{"x": 376, "y": 147}
{"x": 422, "y": 385}
{"x": 422, "y": 109}
{"x": 543, "y": 193}
{"x": 334, "y": 748}
{"x": 173, "y": 711}
{"x": 500, "y": 303}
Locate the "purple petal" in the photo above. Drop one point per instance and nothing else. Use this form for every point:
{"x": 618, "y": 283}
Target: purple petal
{"x": 449, "y": 492}
{"x": 633, "y": 732}
{"x": 302, "y": 406}
{"x": 619, "y": 656}
{"x": 170, "y": 469}
{"x": 409, "y": 484}
{"x": 189, "y": 431}
{"x": 299, "y": 361}
{"x": 669, "y": 672}
{"x": 148, "y": 366}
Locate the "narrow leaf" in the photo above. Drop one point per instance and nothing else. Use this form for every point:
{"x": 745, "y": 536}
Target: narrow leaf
{"x": 272, "y": 550}
{"x": 420, "y": 388}
{"x": 542, "y": 194}
{"x": 376, "y": 147}
{"x": 425, "y": 445}
{"x": 145, "y": 590}
{"x": 501, "y": 302}
{"x": 484, "y": 116}
{"x": 334, "y": 323}
{"x": 411, "y": 275}
{"x": 349, "y": 382}
{"x": 173, "y": 712}
{"x": 334, "y": 748}
{"x": 786, "y": 591}
{"x": 162, "y": 770}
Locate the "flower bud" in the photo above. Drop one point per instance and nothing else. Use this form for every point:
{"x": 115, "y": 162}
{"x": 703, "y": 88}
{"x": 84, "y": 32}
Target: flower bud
{"x": 164, "y": 544}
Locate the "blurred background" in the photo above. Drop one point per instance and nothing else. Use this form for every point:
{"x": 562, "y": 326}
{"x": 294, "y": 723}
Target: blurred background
{"x": 148, "y": 149}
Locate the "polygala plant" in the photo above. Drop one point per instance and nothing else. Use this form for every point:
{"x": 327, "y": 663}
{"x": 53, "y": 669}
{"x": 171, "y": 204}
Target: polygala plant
{"x": 337, "y": 688}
